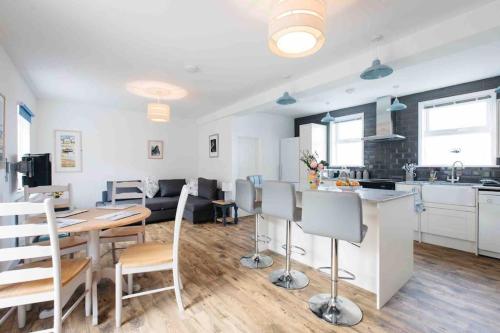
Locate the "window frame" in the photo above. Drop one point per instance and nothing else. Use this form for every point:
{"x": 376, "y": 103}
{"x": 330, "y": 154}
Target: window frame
{"x": 492, "y": 124}
{"x": 333, "y": 139}
{"x": 19, "y": 119}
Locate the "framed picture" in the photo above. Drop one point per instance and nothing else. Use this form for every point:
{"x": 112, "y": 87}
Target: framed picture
{"x": 2, "y": 131}
{"x": 213, "y": 145}
{"x": 68, "y": 151}
{"x": 155, "y": 149}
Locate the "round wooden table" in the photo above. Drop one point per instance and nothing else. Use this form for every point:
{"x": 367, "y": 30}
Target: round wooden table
{"x": 93, "y": 227}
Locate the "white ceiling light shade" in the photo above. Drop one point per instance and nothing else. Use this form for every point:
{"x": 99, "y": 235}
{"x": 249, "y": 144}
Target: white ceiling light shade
{"x": 156, "y": 89}
{"x": 297, "y": 27}
{"x": 158, "y": 112}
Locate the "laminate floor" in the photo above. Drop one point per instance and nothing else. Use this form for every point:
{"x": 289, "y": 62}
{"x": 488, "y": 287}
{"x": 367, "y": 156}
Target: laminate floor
{"x": 450, "y": 291}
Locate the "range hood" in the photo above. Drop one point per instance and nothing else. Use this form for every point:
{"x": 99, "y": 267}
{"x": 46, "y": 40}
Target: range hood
{"x": 384, "y": 131}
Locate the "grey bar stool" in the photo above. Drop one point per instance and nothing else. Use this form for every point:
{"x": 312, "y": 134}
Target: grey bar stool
{"x": 245, "y": 199}
{"x": 339, "y": 216}
{"x": 278, "y": 200}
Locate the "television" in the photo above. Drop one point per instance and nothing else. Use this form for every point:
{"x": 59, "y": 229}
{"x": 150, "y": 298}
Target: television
{"x": 36, "y": 170}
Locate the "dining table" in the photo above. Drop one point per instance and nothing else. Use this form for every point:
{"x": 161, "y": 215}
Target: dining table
{"x": 91, "y": 227}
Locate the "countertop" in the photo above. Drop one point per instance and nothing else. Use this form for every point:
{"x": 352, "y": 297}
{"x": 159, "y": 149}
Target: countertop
{"x": 369, "y": 194}
{"x": 444, "y": 183}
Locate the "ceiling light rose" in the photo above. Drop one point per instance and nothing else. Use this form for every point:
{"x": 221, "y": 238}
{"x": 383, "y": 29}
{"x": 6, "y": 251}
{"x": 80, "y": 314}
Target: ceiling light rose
{"x": 158, "y": 112}
{"x": 297, "y": 27}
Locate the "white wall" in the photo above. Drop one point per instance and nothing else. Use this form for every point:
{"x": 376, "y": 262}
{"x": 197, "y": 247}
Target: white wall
{"x": 114, "y": 143}
{"x": 15, "y": 90}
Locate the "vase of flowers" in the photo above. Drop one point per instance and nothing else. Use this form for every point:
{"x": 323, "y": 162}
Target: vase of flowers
{"x": 313, "y": 168}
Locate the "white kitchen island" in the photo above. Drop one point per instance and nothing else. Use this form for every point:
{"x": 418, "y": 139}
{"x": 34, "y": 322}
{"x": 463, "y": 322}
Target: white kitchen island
{"x": 384, "y": 261}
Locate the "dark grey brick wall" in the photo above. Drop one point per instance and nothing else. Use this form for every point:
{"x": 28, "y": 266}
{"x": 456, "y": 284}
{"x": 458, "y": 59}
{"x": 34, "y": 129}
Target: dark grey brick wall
{"x": 385, "y": 159}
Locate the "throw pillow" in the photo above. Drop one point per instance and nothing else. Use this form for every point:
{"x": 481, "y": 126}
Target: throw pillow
{"x": 192, "y": 185}
{"x": 171, "y": 187}
{"x": 207, "y": 188}
{"x": 151, "y": 187}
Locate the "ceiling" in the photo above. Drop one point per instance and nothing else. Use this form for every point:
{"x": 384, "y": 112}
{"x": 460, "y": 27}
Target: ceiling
{"x": 87, "y": 51}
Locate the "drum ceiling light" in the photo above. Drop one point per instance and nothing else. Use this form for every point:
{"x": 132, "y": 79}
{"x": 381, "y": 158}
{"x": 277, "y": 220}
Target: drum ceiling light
{"x": 158, "y": 112}
{"x": 297, "y": 27}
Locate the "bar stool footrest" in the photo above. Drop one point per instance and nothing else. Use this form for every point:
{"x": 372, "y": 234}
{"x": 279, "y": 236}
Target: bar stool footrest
{"x": 298, "y": 249}
{"x": 348, "y": 276}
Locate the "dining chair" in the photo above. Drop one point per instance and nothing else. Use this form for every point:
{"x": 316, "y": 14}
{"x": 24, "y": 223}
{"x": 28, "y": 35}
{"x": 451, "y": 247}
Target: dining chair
{"x": 152, "y": 257}
{"x": 53, "y": 280}
{"x": 71, "y": 243}
{"x": 125, "y": 190}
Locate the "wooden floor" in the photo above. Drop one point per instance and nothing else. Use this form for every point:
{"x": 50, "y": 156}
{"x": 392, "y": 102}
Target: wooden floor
{"x": 450, "y": 291}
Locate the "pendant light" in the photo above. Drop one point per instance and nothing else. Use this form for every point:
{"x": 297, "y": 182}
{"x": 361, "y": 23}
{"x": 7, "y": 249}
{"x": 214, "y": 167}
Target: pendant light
{"x": 158, "y": 112}
{"x": 327, "y": 118}
{"x": 377, "y": 70}
{"x": 397, "y": 105}
{"x": 497, "y": 90}
{"x": 286, "y": 99}
{"x": 297, "y": 27}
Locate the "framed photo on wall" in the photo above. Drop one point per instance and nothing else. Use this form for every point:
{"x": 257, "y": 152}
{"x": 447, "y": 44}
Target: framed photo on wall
{"x": 68, "y": 151}
{"x": 2, "y": 131}
{"x": 155, "y": 149}
{"x": 213, "y": 145}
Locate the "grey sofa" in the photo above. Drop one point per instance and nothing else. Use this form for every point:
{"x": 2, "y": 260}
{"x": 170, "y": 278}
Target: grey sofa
{"x": 164, "y": 205}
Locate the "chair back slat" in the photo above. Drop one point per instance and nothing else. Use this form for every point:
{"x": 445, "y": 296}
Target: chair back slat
{"x": 25, "y": 252}
{"x": 179, "y": 214}
{"x": 125, "y": 184}
{"x": 21, "y": 208}
{"x": 128, "y": 195}
{"x": 23, "y": 230}
{"x": 26, "y": 275}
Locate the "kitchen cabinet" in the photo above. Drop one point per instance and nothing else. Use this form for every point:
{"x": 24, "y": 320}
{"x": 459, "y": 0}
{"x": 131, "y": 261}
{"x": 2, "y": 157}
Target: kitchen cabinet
{"x": 415, "y": 189}
{"x": 452, "y": 223}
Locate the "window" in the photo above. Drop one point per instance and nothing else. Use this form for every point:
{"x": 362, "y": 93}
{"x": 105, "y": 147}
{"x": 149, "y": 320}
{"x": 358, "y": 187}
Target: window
{"x": 346, "y": 144}
{"x": 23, "y": 135}
{"x": 459, "y": 128}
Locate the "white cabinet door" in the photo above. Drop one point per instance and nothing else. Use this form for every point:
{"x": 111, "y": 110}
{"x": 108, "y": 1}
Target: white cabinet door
{"x": 449, "y": 223}
{"x": 414, "y": 189}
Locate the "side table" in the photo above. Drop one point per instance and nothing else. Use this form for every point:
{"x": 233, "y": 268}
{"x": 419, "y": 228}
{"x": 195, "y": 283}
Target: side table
{"x": 224, "y": 206}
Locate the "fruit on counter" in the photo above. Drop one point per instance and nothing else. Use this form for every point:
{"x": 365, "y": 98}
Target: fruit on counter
{"x": 347, "y": 182}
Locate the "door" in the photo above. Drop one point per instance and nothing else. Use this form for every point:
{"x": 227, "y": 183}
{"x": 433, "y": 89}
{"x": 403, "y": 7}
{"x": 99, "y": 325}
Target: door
{"x": 289, "y": 160}
{"x": 249, "y": 159}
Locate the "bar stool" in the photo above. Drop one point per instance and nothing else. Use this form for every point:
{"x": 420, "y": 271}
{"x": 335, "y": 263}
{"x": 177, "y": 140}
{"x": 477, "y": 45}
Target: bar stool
{"x": 278, "y": 200}
{"x": 245, "y": 199}
{"x": 339, "y": 216}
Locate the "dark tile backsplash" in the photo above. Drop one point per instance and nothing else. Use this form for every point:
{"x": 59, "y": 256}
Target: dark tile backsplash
{"x": 385, "y": 159}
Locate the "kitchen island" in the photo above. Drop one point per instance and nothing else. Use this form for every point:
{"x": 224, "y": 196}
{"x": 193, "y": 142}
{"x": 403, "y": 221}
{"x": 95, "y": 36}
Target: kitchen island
{"x": 383, "y": 262}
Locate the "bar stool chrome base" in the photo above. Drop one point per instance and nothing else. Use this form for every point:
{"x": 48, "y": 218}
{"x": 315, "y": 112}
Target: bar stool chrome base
{"x": 292, "y": 280}
{"x": 256, "y": 261}
{"x": 341, "y": 311}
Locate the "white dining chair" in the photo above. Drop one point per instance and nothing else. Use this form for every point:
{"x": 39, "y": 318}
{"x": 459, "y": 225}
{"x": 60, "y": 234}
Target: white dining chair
{"x": 152, "y": 257}
{"x": 72, "y": 243}
{"x": 40, "y": 281}
{"x": 128, "y": 233}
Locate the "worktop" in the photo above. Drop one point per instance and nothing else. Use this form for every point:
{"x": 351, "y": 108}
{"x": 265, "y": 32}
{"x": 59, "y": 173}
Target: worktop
{"x": 368, "y": 194}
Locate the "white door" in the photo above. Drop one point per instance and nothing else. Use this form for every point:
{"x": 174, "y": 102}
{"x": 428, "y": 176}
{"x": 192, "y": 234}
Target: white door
{"x": 289, "y": 160}
{"x": 249, "y": 159}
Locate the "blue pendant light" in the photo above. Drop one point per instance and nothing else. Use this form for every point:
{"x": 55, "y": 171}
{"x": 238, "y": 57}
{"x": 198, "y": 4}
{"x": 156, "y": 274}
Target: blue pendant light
{"x": 286, "y": 99}
{"x": 397, "y": 106}
{"x": 376, "y": 71}
{"x": 497, "y": 90}
{"x": 327, "y": 118}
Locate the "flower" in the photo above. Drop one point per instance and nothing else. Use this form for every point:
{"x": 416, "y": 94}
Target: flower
{"x": 321, "y": 166}
{"x": 314, "y": 165}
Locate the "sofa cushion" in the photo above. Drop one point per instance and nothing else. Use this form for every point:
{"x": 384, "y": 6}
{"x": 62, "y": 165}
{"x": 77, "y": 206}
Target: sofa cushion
{"x": 207, "y": 188}
{"x": 109, "y": 186}
{"x": 196, "y": 204}
{"x": 151, "y": 187}
{"x": 171, "y": 187}
{"x": 160, "y": 203}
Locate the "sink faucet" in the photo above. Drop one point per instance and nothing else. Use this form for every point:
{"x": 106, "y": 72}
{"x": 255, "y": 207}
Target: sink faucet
{"x": 454, "y": 179}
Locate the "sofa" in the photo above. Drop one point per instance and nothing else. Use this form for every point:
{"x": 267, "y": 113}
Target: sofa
{"x": 163, "y": 205}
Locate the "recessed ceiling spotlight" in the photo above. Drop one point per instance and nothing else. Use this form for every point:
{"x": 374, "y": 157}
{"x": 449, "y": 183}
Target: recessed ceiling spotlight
{"x": 156, "y": 89}
{"x": 350, "y": 90}
{"x": 192, "y": 69}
